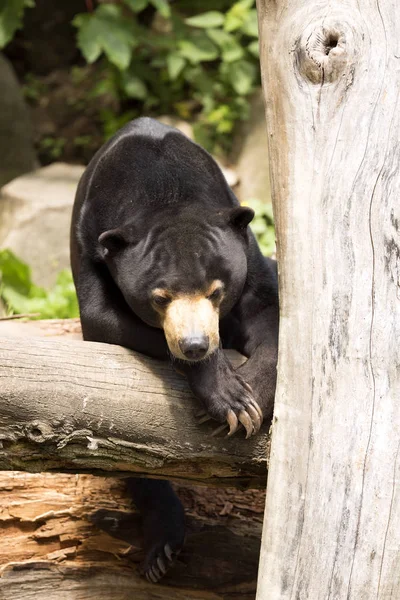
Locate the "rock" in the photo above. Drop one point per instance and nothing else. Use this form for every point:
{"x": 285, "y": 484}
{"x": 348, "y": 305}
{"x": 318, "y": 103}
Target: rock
{"x": 180, "y": 124}
{"x": 16, "y": 146}
{"x": 35, "y": 217}
{"x": 250, "y": 154}
{"x": 229, "y": 173}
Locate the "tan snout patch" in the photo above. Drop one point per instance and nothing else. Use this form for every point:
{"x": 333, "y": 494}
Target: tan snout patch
{"x": 186, "y": 316}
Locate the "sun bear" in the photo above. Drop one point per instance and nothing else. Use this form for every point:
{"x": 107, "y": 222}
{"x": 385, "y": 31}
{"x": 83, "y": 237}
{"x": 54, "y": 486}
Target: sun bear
{"x": 165, "y": 264}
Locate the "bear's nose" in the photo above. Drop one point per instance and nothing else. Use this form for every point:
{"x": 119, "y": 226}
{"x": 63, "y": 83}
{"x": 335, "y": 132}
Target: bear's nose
{"x": 194, "y": 347}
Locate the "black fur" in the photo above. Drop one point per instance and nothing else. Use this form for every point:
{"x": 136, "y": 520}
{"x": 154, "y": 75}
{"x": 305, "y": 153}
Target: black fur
{"x": 172, "y": 222}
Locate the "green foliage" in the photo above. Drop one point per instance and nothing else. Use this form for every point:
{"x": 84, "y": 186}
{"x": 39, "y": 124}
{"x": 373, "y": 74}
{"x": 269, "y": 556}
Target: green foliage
{"x": 106, "y": 30}
{"x": 51, "y": 147}
{"x": 33, "y": 88}
{"x": 213, "y": 18}
{"x": 201, "y": 66}
{"x": 21, "y": 296}
{"x": 263, "y": 225}
{"x": 197, "y": 59}
{"x": 112, "y": 122}
{"x": 11, "y": 15}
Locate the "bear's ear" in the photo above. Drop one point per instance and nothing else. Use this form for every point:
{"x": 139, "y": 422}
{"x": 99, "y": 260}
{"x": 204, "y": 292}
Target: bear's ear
{"x": 241, "y": 216}
{"x": 112, "y": 241}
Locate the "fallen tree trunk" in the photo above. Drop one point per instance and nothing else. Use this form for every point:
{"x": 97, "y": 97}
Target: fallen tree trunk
{"x": 50, "y": 549}
{"x": 84, "y": 407}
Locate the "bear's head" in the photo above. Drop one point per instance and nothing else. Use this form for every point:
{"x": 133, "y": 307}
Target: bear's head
{"x": 181, "y": 272}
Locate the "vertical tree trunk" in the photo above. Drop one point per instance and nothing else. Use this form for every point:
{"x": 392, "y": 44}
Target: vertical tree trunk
{"x": 331, "y": 76}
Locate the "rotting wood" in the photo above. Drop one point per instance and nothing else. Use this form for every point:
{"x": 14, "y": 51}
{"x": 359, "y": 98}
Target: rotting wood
{"x": 50, "y": 549}
{"x": 331, "y": 76}
{"x": 73, "y": 406}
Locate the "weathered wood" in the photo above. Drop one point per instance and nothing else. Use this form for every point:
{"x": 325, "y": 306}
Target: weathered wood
{"x": 331, "y": 75}
{"x": 50, "y": 549}
{"x": 73, "y": 406}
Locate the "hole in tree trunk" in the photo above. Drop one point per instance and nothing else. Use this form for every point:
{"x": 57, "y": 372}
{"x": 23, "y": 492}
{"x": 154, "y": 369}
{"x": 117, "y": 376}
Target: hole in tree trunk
{"x": 331, "y": 42}
{"x": 36, "y": 432}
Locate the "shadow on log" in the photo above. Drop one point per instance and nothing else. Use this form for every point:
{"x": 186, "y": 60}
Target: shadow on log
{"x": 50, "y": 549}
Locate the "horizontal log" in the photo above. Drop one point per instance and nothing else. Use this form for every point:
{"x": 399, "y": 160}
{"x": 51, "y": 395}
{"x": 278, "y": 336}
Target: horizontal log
{"x": 84, "y": 407}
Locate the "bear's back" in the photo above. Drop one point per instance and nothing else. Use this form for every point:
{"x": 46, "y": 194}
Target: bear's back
{"x": 147, "y": 166}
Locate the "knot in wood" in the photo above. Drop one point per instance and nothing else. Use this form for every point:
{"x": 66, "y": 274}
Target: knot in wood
{"x": 322, "y": 54}
{"x": 39, "y": 432}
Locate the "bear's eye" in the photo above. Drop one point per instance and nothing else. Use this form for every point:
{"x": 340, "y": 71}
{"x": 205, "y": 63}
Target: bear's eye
{"x": 216, "y": 295}
{"x": 161, "y": 301}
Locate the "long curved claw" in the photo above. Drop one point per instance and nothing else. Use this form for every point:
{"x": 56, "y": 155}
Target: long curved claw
{"x": 200, "y": 413}
{"x": 232, "y": 422}
{"x": 168, "y": 552}
{"x": 255, "y": 417}
{"x": 258, "y": 409}
{"x": 161, "y": 565}
{"x": 248, "y": 387}
{"x": 246, "y": 422}
{"x": 204, "y": 419}
{"x": 151, "y": 577}
{"x": 218, "y": 430}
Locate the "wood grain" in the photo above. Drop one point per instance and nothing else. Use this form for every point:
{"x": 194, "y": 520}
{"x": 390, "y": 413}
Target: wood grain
{"x": 50, "y": 549}
{"x": 84, "y": 407}
{"x": 331, "y": 77}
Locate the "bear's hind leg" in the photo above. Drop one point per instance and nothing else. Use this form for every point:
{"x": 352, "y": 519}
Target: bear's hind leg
{"x": 163, "y": 522}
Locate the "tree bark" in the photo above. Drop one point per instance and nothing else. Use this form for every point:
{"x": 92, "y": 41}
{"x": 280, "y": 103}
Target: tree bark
{"x": 331, "y": 78}
{"x": 84, "y": 407}
{"x": 50, "y": 549}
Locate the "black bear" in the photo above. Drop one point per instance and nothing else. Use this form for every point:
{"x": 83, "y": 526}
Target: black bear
{"x": 164, "y": 263}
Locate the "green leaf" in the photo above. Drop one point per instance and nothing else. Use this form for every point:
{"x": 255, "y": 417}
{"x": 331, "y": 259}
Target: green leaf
{"x": 134, "y": 87}
{"x": 62, "y": 301}
{"x": 87, "y": 37}
{"x": 112, "y": 121}
{"x": 237, "y": 15}
{"x": 14, "y": 273}
{"x": 242, "y": 75}
{"x": 225, "y": 127}
{"x": 198, "y": 49}
{"x": 250, "y": 25}
{"x": 106, "y": 30}
{"x": 218, "y": 114}
{"x": 258, "y": 225}
{"x": 162, "y": 7}
{"x": 11, "y": 15}
{"x": 206, "y": 20}
{"x": 232, "y": 22}
{"x": 175, "y": 65}
{"x": 137, "y": 5}
{"x": 254, "y": 48}
{"x": 263, "y": 225}
{"x": 231, "y": 49}
{"x": 202, "y": 82}
{"x": 22, "y": 296}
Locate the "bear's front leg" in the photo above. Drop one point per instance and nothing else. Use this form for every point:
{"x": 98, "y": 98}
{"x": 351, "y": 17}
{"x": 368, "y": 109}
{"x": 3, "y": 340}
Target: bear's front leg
{"x": 259, "y": 342}
{"x": 260, "y": 372}
{"x": 225, "y": 394}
